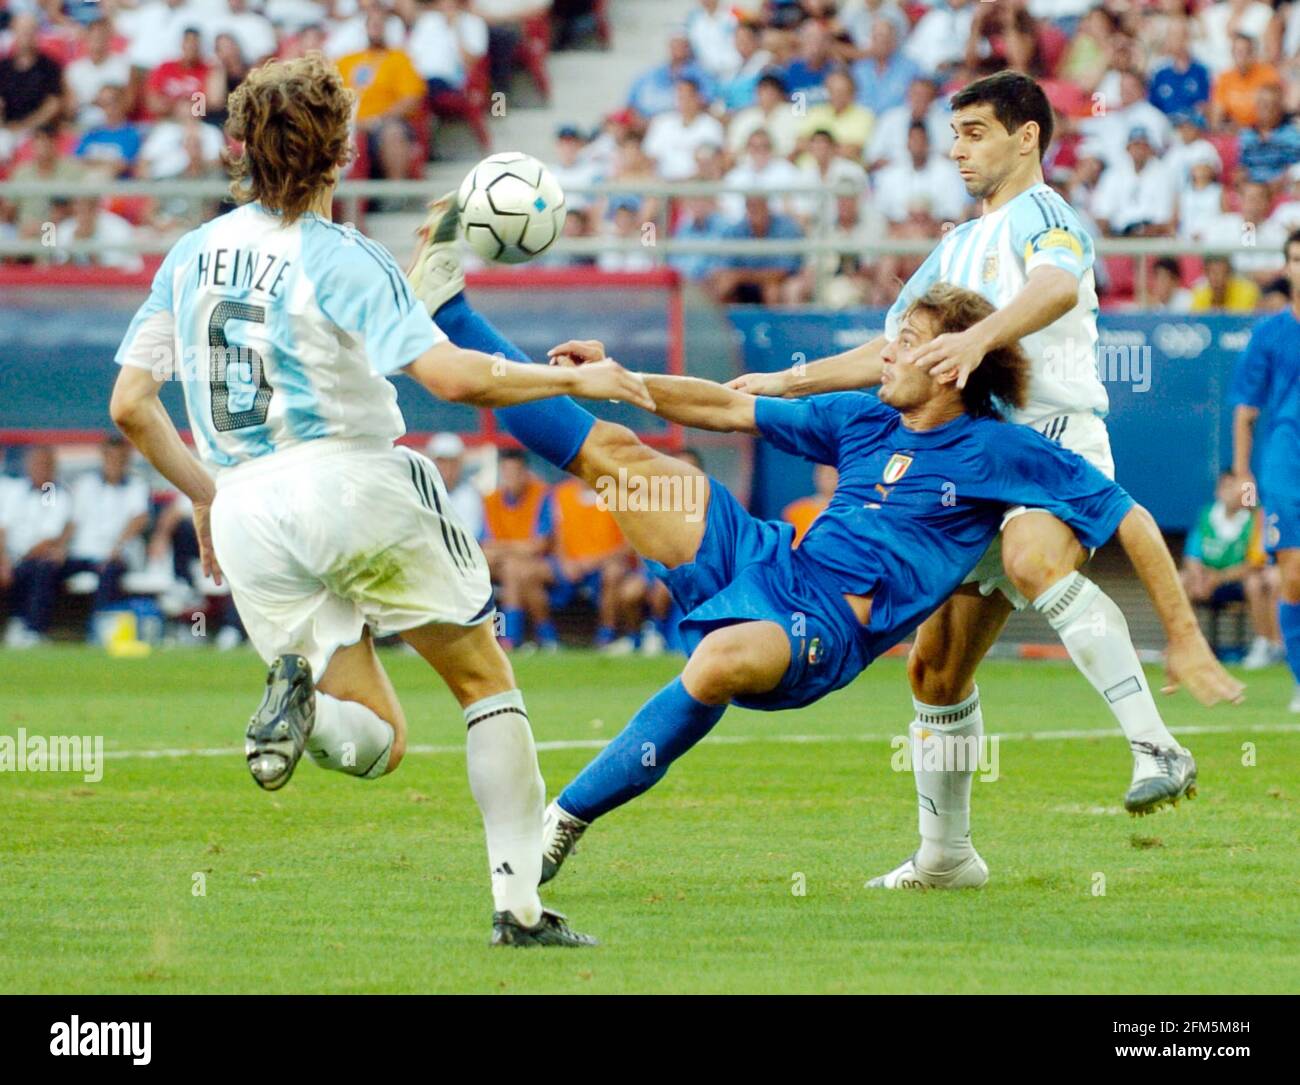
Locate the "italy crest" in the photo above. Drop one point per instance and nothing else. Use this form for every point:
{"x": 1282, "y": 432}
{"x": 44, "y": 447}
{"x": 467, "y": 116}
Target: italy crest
{"x": 896, "y": 468}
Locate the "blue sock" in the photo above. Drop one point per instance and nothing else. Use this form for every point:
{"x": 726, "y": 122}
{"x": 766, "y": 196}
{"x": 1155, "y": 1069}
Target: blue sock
{"x": 1288, "y": 617}
{"x": 553, "y": 428}
{"x": 604, "y": 636}
{"x": 667, "y": 725}
{"x": 514, "y": 617}
{"x": 546, "y": 633}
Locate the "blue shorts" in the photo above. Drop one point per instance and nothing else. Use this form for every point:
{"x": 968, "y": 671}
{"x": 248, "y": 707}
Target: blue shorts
{"x": 563, "y": 592}
{"x": 746, "y": 570}
{"x": 1282, "y": 525}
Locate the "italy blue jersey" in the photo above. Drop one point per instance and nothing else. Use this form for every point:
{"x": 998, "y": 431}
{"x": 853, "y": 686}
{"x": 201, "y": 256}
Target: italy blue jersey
{"x": 914, "y": 511}
{"x": 279, "y": 334}
{"x": 1268, "y": 378}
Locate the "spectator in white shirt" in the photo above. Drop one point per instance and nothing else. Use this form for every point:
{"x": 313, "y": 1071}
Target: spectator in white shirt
{"x": 572, "y": 169}
{"x": 91, "y": 222}
{"x": 673, "y": 137}
{"x": 1187, "y": 145}
{"x": 350, "y": 35}
{"x": 1136, "y": 195}
{"x": 1200, "y": 197}
{"x": 252, "y": 31}
{"x": 448, "y": 454}
{"x": 1219, "y": 22}
{"x": 938, "y": 41}
{"x": 446, "y": 41}
{"x": 110, "y": 510}
{"x": 1134, "y": 111}
{"x": 35, "y": 526}
{"x": 759, "y": 169}
{"x": 1253, "y": 226}
{"x": 859, "y": 23}
{"x": 86, "y": 76}
{"x": 624, "y": 223}
{"x": 711, "y": 28}
{"x": 1166, "y": 291}
{"x": 772, "y": 112}
{"x": 823, "y": 166}
{"x": 889, "y": 135}
{"x": 181, "y": 146}
{"x": 921, "y": 175}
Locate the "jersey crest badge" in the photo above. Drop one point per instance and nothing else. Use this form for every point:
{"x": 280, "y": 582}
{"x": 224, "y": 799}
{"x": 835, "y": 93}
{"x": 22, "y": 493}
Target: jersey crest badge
{"x": 815, "y": 653}
{"x": 896, "y": 468}
{"x": 990, "y": 271}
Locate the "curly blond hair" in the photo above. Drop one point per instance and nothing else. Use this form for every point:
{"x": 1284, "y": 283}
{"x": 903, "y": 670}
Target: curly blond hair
{"x": 292, "y": 118}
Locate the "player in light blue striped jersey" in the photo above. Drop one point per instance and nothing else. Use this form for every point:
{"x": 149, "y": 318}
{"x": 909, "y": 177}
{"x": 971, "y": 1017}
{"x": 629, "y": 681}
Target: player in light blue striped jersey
{"x": 283, "y": 330}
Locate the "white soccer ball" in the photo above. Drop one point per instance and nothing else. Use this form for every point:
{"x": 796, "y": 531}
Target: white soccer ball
{"x": 511, "y": 208}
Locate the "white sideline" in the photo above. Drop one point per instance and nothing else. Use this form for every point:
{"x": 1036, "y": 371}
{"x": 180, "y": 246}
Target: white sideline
{"x": 748, "y": 740}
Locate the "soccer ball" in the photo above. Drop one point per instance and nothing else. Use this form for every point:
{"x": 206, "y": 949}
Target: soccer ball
{"x": 511, "y": 208}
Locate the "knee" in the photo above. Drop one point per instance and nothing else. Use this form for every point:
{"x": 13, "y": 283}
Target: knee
{"x": 1033, "y": 569}
{"x": 714, "y": 673}
{"x": 610, "y": 445}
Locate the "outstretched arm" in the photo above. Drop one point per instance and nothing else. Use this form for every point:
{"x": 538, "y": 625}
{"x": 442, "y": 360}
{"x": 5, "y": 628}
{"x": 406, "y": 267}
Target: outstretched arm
{"x": 846, "y": 372}
{"x": 688, "y": 401}
{"x": 468, "y": 376}
{"x": 1189, "y": 659}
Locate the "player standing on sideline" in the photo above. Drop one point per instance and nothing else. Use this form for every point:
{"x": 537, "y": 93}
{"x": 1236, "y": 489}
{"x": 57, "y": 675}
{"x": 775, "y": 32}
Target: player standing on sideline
{"x": 1029, "y": 255}
{"x": 283, "y": 327}
{"x": 1268, "y": 380}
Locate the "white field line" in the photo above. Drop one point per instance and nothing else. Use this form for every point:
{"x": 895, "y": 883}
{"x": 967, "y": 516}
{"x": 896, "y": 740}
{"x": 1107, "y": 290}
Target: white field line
{"x": 752, "y": 740}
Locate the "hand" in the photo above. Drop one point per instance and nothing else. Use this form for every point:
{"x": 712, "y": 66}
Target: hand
{"x": 953, "y": 352}
{"x": 203, "y": 529}
{"x": 1190, "y": 662}
{"x": 608, "y": 380}
{"x": 761, "y": 384}
{"x": 577, "y": 352}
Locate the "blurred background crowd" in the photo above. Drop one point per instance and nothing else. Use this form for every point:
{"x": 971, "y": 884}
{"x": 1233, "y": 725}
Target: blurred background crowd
{"x": 1175, "y": 119}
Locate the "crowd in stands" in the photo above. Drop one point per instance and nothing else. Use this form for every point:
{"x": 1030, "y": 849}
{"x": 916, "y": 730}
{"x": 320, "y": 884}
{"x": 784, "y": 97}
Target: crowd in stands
{"x": 1174, "y": 118}
{"x": 119, "y": 89}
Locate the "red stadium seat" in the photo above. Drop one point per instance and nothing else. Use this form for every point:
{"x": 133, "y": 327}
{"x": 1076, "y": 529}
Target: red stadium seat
{"x": 533, "y": 51}
{"x": 469, "y": 105}
{"x": 1227, "y": 144}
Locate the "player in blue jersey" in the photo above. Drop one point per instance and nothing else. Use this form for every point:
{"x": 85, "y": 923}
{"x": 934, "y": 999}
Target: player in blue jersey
{"x": 1267, "y": 383}
{"x": 915, "y": 510}
{"x": 1029, "y": 255}
{"x": 282, "y": 329}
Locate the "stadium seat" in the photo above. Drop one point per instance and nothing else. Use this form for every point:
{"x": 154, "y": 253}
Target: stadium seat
{"x": 469, "y": 105}
{"x": 533, "y": 51}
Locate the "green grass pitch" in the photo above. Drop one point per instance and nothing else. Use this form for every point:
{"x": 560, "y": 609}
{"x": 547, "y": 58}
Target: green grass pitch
{"x": 336, "y": 885}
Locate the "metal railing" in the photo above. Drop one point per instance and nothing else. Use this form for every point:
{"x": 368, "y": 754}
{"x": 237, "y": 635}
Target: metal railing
{"x": 819, "y": 238}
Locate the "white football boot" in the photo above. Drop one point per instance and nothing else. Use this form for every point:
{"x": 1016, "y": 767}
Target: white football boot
{"x": 560, "y": 833}
{"x": 971, "y": 873}
{"x": 1161, "y": 776}
{"x": 1294, "y": 706}
{"x": 435, "y": 274}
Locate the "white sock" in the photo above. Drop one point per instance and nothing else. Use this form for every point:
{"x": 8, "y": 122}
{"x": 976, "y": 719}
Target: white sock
{"x": 1094, "y": 632}
{"x": 349, "y": 737}
{"x": 510, "y": 792}
{"x": 943, "y": 794}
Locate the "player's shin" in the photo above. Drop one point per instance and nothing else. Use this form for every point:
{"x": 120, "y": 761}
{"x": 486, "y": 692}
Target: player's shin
{"x": 945, "y": 752}
{"x": 349, "y": 737}
{"x": 1094, "y": 632}
{"x": 507, "y": 785}
{"x": 553, "y": 428}
{"x": 667, "y": 725}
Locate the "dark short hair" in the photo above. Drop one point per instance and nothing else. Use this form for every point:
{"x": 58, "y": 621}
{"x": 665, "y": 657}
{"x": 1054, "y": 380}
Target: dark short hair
{"x": 773, "y": 79}
{"x": 115, "y": 440}
{"x": 1169, "y": 264}
{"x": 1015, "y": 99}
{"x": 513, "y": 454}
{"x": 1002, "y": 378}
{"x": 1292, "y": 238}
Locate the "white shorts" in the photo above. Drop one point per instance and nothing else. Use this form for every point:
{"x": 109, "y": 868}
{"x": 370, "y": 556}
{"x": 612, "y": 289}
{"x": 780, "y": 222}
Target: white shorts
{"x": 1082, "y": 432}
{"x": 326, "y": 537}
